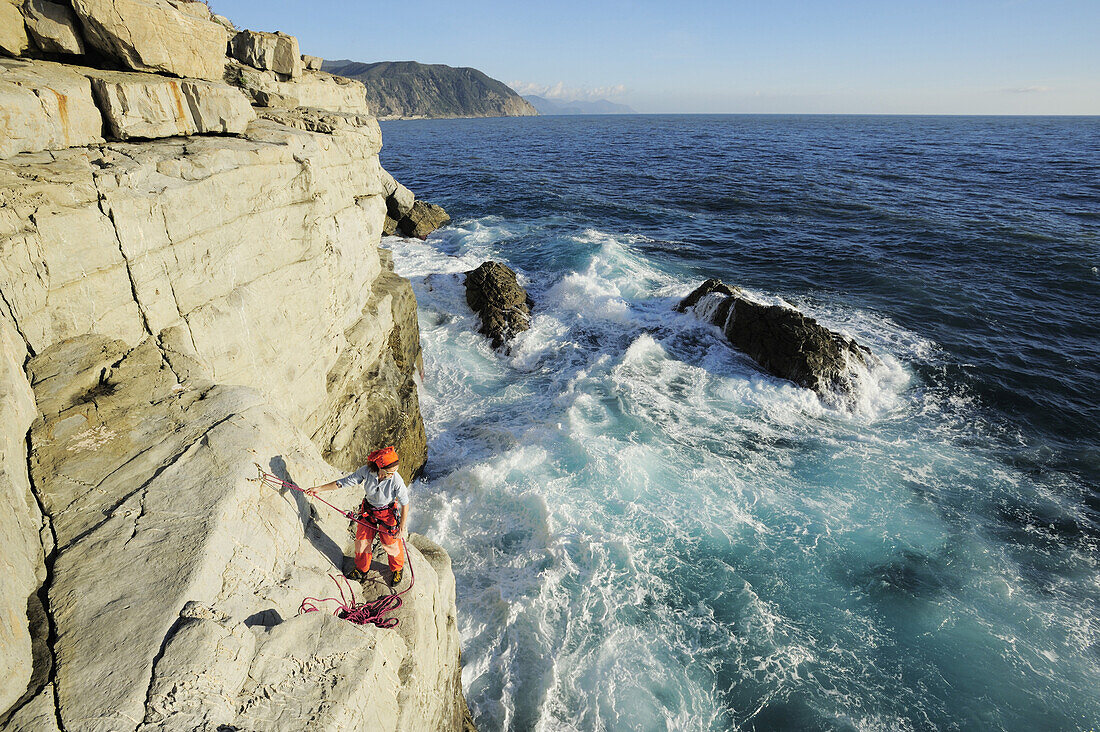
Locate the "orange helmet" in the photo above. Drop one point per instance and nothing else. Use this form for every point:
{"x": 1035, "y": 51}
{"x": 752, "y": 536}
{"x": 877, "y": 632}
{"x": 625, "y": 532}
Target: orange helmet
{"x": 383, "y": 458}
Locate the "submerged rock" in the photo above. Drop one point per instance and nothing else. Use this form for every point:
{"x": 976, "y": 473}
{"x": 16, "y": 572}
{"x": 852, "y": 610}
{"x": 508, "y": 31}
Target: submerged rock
{"x": 495, "y": 294}
{"x": 782, "y": 340}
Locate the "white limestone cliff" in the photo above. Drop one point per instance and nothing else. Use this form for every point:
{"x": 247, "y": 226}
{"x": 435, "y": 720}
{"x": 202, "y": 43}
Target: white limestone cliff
{"x": 191, "y": 282}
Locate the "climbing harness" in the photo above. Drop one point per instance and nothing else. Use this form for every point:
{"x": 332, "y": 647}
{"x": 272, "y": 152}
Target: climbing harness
{"x": 383, "y": 519}
{"x": 347, "y": 608}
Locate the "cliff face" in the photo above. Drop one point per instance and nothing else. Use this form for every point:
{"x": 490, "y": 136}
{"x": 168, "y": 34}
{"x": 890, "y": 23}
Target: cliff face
{"x": 173, "y": 309}
{"x": 407, "y": 89}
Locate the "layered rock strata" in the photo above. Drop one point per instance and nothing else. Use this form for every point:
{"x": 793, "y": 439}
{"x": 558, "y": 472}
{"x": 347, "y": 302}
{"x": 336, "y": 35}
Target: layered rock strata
{"x": 177, "y": 38}
{"x": 783, "y": 341}
{"x": 277, "y": 286}
{"x": 275, "y": 52}
{"x": 502, "y": 304}
{"x": 185, "y": 305}
{"x": 47, "y": 106}
{"x": 178, "y": 576}
{"x": 312, "y": 89}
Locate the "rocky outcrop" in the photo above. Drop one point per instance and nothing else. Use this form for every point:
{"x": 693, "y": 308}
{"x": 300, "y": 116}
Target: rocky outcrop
{"x": 155, "y": 35}
{"x": 312, "y": 63}
{"x": 192, "y": 305}
{"x": 13, "y": 33}
{"x": 150, "y": 106}
{"x": 311, "y": 89}
{"x": 201, "y": 291}
{"x": 47, "y": 106}
{"x": 408, "y": 216}
{"x": 125, "y": 242}
{"x": 53, "y": 27}
{"x": 423, "y": 219}
{"x": 275, "y": 52}
{"x": 783, "y": 341}
{"x": 503, "y": 305}
{"x": 407, "y": 89}
{"x": 175, "y": 569}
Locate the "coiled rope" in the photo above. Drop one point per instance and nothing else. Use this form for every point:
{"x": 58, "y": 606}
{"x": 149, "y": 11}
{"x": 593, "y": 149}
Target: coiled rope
{"x": 347, "y": 607}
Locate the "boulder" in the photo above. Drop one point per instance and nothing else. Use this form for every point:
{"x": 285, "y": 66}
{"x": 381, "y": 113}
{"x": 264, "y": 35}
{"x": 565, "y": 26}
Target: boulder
{"x": 494, "y": 293}
{"x": 151, "y": 106}
{"x": 276, "y": 52}
{"x": 154, "y": 35}
{"x": 54, "y": 27}
{"x": 46, "y": 106}
{"x": 313, "y": 90}
{"x": 399, "y": 199}
{"x": 783, "y": 341}
{"x": 312, "y": 63}
{"x": 13, "y": 34}
{"x": 422, "y": 219}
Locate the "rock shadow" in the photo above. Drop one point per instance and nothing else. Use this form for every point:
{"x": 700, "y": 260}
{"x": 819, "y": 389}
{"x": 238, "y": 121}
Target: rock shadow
{"x": 307, "y": 513}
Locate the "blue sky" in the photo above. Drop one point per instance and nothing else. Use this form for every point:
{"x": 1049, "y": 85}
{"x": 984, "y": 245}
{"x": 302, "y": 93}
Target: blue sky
{"x": 845, "y": 56}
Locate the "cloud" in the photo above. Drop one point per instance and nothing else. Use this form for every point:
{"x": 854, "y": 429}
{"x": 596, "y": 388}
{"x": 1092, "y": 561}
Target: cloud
{"x": 565, "y": 93}
{"x": 1027, "y": 90}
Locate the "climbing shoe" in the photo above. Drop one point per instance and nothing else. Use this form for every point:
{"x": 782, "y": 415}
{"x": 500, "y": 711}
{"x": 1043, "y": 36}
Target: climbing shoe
{"x": 396, "y": 579}
{"x": 356, "y": 575}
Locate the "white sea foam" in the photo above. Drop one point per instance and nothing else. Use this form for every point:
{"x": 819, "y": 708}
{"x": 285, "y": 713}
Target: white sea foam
{"x": 645, "y": 527}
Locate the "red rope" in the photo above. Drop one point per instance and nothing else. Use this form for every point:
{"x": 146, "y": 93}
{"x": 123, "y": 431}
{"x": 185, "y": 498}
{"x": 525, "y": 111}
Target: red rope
{"x": 360, "y": 613}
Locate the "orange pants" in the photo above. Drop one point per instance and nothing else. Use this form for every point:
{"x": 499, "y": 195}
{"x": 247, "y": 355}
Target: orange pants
{"x": 364, "y": 547}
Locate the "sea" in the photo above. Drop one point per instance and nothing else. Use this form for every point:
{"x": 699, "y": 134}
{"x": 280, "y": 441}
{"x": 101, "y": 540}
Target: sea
{"x": 648, "y": 532}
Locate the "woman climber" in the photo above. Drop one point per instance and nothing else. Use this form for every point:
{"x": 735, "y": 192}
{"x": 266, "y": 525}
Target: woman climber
{"x": 384, "y": 491}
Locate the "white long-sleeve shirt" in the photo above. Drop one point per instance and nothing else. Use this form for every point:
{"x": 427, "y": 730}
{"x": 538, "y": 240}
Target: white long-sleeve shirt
{"x": 378, "y": 493}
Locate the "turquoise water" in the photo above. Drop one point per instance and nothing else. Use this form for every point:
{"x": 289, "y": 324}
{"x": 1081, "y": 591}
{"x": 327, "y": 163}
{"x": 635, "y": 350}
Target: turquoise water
{"x": 649, "y": 533}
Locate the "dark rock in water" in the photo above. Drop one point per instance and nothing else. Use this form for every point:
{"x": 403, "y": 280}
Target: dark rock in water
{"x": 423, "y": 219}
{"x": 782, "y": 340}
{"x": 407, "y": 215}
{"x": 497, "y": 297}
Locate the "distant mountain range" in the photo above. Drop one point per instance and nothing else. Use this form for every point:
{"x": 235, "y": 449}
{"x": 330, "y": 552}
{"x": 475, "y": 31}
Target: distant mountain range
{"x": 601, "y": 106}
{"x": 407, "y": 89}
